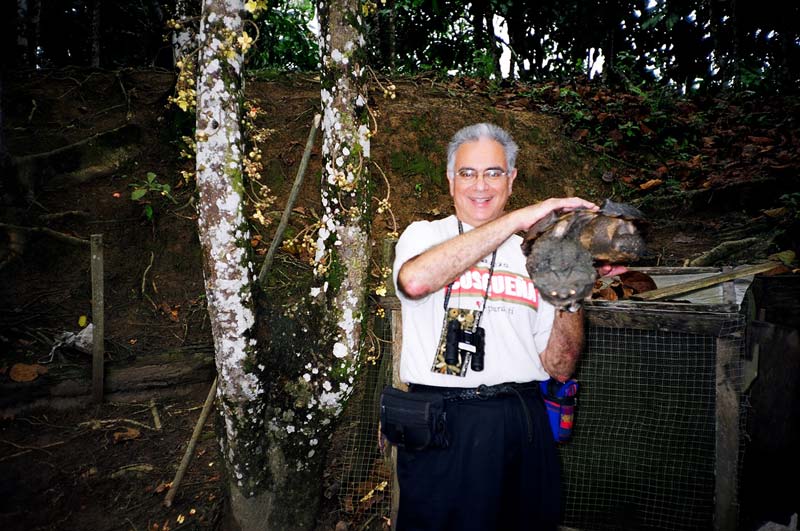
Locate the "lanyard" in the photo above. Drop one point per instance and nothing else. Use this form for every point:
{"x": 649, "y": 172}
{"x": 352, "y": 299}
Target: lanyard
{"x": 488, "y": 281}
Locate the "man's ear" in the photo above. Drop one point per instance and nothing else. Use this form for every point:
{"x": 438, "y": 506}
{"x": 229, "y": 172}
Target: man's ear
{"x": 452, "y": 184}
{"x": 511, "y": 177}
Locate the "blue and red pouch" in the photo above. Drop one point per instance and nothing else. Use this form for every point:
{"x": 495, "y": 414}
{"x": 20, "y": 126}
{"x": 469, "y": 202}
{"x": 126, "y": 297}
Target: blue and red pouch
{"x": 560, "y": 400}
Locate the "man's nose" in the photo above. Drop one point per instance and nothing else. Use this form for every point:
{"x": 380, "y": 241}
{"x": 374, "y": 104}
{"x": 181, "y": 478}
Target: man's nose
{"x": 481, "y": 182}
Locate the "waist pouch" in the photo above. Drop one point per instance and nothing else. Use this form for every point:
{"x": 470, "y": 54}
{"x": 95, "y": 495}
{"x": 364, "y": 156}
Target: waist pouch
{"x": 413, "y": 421}
{"x": 560, "y": 400}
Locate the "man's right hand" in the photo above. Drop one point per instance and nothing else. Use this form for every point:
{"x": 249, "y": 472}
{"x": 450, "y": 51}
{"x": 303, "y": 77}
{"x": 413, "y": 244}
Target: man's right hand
{"x": 530, "y": 214}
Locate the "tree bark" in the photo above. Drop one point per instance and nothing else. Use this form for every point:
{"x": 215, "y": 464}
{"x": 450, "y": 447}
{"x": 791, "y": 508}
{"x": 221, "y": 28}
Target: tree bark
{"x": 95, "y": 35}
{"x": 223, "y": 236}
{"x": 342, "y": 247}
{"x": 181, "y": 36}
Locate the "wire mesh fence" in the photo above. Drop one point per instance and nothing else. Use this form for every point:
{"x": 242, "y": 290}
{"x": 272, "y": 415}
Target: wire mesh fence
{"x": 646, "y": 448}
{"x": 365, "y": 483}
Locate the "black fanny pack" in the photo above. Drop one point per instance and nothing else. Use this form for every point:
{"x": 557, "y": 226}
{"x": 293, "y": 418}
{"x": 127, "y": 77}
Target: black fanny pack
{"x": 413, "y": 421}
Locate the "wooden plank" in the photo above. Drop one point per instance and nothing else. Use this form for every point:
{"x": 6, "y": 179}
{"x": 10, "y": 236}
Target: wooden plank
{"x": 675, "y": 270}
{"x": 701, "y": 323}
{"x": 694, "y": 285}
{"x": 397, "y": 346}
{"x": 728, "y": 391}
{"x": 98, "y": 338}
{"x": 388, "y": 261}
{"x": 728, "y": 288}
{"x": 390, "y": 302}
{"x": 710, "y": 295}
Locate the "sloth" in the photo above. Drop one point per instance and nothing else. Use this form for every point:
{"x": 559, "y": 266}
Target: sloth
{"x": 562, "y": 250}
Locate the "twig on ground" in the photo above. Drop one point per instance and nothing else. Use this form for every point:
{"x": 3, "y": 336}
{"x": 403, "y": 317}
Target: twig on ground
{"x": 97, "y": 423}
{"x": 59, "y": 215}
{"x": 125, "y": 93}
{"x": 28, "y": 449}
{"x": 154, "y": 412}
{"x": 187, "y": 456}
{"x": 33, "y": 110}
{"x": 48, "y": 232}
{"x": 146, "y": 270}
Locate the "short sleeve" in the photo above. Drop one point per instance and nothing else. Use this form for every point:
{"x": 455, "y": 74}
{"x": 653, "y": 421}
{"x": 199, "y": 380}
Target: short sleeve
{"x": 415, "y": 240}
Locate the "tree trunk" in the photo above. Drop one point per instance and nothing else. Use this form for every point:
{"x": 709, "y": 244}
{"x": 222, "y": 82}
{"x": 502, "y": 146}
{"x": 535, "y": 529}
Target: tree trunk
{"x": 223, "y": 237}
{"x": 392, "y": 33}
{"x": 342, "y": 247}
{"x": 95, "y": 35}
{"x": 181, "y": 36}
{"x": 23, "y": 22}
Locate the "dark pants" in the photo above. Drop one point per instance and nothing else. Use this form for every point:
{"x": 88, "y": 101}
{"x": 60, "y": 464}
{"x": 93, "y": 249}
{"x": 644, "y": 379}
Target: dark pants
{"x": 498, "y": 473}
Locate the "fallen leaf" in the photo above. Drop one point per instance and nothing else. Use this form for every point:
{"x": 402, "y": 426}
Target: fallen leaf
{"x": 652, "y": 183}
{"x": 637, "y": 281}
{"x": 627, "y": 292}
{"x": 580, "y": 134}
{"x": 82, "y": 320}
{"x": 785, "y": 257}
{"x": 170, "y": 311}
{"x": 607, "y": 293}
{"x": 163, "y": 486}
{"x": 762, "y": 140}
{"x": 776, "y": 212}
{"x": 139, "y": 469}
{"x": 127, "y": 435}
{"x": 23, "y": 372}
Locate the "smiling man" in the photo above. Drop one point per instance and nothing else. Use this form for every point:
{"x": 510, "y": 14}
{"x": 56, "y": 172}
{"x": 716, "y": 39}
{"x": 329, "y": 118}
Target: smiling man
{"x": 477, "y": 340}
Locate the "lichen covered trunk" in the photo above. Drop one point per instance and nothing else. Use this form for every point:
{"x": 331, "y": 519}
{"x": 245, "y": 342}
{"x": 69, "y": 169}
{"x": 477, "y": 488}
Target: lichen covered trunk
{"x": 223, "y": 236}
{"x": 343, "y": 243}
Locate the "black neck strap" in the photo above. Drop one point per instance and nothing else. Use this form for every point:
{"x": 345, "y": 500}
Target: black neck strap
{"x": 488, "y": 281}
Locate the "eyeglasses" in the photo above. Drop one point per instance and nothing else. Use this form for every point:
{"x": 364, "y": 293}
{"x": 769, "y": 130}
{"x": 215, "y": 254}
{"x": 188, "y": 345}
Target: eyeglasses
{"x": 491, "y": 175}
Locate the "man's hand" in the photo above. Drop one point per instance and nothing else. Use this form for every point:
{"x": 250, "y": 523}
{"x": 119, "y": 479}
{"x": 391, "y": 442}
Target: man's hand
{"x": 605, "y": 269}
{"x": 529, "y": 215}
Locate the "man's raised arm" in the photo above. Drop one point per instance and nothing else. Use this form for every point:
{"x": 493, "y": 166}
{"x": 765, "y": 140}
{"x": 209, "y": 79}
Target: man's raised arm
{"x": 434, "y": 268}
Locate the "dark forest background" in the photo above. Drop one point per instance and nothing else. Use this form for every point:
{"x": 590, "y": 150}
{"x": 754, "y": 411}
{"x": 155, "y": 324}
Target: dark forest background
{"x": 694, "y": 46}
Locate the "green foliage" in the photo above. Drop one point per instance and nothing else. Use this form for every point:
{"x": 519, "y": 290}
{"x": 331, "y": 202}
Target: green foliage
{"x": 143, "y": 190}
{"x": 284, "y": 42}
{"x": 417, "y": 165}
{"x": 482, "y": 64}
{"x": 792, "y": 203}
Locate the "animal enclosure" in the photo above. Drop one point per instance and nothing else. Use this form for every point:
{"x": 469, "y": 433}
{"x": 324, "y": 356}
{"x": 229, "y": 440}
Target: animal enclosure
{"x": 658, "y": 439}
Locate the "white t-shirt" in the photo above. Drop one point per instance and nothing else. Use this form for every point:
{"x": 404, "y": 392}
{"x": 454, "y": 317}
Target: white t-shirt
{"x": 517, "y": 322}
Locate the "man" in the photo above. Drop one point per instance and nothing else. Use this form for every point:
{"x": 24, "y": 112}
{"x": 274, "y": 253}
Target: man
{"x": 499, "y": 470}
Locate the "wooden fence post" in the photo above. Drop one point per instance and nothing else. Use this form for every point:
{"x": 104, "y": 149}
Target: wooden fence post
{"x": 98, "y": 339}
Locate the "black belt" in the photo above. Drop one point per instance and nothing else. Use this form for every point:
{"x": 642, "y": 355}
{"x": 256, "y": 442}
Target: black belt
{"x": 482, "y": 392}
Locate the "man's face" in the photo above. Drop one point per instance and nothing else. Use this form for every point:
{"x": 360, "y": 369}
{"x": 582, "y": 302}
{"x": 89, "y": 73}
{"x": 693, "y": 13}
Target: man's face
{"x": 480, "y": 201}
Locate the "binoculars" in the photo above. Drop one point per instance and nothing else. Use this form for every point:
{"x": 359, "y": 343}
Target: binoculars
{"x": 461, "y": 343}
